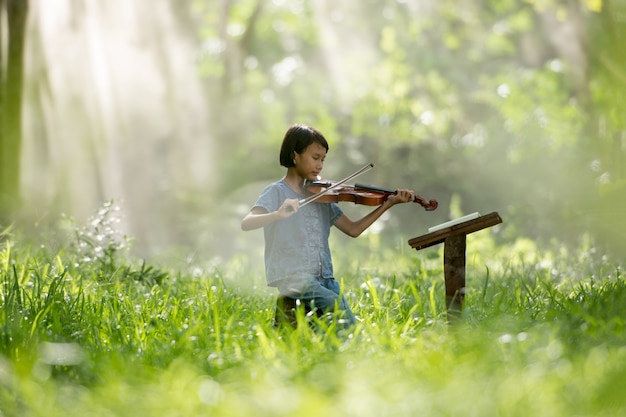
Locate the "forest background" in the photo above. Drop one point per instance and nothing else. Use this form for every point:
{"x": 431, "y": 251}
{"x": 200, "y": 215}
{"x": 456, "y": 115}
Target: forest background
{"x": 176, "y": 111}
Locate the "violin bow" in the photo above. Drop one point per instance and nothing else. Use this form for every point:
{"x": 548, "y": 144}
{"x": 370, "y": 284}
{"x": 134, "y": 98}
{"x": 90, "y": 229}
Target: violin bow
{"x": 314, "y": 197}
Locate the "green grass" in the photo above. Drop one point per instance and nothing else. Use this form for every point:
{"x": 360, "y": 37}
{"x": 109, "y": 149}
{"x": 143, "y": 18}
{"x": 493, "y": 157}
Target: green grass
{"x": 100, "y": 336}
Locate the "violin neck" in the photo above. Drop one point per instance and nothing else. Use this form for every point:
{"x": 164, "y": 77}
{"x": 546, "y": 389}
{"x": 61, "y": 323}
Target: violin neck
{"x": 372, "y": 188}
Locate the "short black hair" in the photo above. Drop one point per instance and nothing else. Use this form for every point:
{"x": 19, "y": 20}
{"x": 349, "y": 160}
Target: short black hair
{"x": 297, "y": 138}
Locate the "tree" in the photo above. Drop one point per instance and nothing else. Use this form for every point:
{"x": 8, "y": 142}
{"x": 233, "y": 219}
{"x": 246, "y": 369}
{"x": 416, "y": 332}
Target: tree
{"x": 11, "y": 80}
{"x": 608, "y": 126}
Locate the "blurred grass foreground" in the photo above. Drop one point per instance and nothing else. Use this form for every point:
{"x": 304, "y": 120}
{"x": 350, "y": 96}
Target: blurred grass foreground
{"x": 87, "y": 332}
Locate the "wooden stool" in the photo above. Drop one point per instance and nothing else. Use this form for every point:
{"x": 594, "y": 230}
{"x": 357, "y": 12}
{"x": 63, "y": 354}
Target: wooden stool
{"x": 453, "y": 234}
{"x": 286, "y": 310}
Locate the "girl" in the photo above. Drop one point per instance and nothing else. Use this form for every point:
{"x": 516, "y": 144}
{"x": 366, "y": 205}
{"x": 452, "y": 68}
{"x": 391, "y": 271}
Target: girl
{"x": 297, "y": 255}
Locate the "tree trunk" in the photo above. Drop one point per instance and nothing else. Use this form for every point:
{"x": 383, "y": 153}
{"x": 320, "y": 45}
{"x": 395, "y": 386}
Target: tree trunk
{"x": 11, "y": 107}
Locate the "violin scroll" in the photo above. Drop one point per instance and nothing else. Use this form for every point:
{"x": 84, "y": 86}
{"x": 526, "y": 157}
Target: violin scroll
{"x": 428, "y": 205}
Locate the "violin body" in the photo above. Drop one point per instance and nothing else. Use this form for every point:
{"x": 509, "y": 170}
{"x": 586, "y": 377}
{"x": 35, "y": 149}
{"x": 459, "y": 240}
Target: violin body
{"x": 358, "y": 194}
{"x": 346, "y": 193}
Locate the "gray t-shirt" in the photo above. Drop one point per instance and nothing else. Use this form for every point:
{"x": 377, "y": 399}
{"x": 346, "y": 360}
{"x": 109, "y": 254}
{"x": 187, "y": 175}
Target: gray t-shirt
{"x": 297, "y": 247}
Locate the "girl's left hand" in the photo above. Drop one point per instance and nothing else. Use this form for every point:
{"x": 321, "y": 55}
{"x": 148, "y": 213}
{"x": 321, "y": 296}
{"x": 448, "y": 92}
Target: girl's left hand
{"x": 402, "y": 196}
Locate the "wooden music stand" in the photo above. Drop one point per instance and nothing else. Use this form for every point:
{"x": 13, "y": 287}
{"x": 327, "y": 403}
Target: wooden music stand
{"x": 454, "y": 240}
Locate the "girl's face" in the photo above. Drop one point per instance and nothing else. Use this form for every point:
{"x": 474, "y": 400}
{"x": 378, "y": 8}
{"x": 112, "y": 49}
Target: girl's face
{"x": 309, "y": 163}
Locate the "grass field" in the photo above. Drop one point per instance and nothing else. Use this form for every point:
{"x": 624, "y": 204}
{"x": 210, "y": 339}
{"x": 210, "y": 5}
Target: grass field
{"x": 100, "y": 336}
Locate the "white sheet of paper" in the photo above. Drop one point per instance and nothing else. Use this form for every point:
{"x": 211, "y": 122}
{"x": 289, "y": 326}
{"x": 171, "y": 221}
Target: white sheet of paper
{"x": 453, "y": 222}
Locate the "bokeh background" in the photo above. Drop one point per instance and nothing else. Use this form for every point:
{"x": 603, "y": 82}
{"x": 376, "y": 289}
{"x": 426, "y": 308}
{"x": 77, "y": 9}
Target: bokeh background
{"x": 176, "y": 110}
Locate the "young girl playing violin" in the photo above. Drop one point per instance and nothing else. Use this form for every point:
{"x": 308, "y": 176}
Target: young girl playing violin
{"x": 297, "y": 255}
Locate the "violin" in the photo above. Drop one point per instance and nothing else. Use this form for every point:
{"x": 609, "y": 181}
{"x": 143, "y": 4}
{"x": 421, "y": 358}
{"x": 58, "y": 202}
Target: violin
{"x": 358, "y": 194}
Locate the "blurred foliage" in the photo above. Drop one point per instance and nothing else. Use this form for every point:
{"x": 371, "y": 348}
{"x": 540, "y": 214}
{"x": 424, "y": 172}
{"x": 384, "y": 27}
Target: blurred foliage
{"x": 511, "y": 106}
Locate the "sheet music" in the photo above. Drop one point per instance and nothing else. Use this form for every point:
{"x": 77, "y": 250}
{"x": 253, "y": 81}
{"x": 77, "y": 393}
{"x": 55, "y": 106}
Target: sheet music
{"x": 472, "y": 216}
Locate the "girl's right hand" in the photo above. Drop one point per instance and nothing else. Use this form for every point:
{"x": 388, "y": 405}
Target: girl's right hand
{"x": 288, "y": 208}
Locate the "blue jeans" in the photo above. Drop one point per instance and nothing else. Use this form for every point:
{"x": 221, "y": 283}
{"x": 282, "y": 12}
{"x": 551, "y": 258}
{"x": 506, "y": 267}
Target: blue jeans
{"x": 321, "y": 293}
